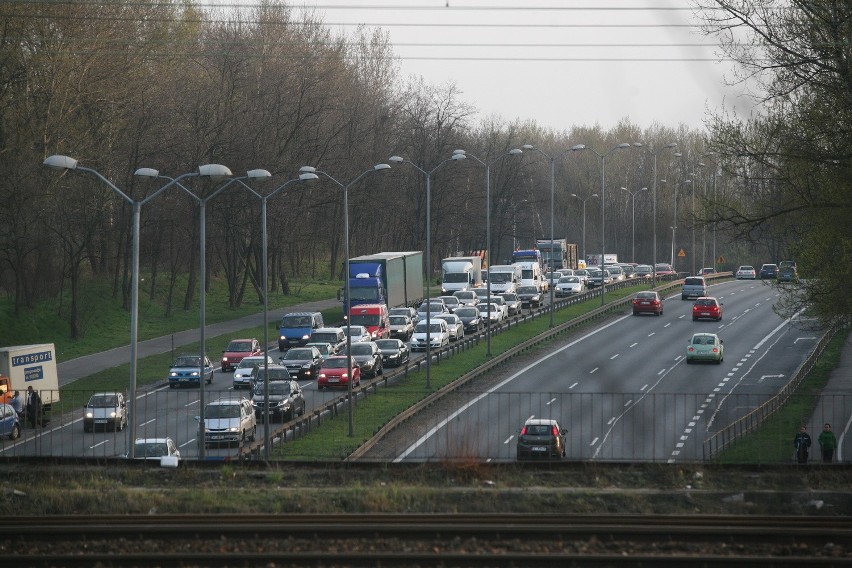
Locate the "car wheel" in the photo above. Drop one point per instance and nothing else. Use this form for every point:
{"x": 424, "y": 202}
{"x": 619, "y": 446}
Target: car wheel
{"x": 688, "y": 361}
{"x": 15, "y": 433}
{"x": 635, "y": 313}
{"x": 720, "y": 318}
{"x": 381, "y": 370}
{"x": 87, "y": 428}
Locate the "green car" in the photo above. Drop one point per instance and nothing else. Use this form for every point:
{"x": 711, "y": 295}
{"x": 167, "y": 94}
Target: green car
{"x": 705, "y": 347}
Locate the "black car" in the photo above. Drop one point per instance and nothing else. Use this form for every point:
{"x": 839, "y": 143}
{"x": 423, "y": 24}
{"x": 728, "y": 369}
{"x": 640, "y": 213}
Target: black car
{"x": 541, "y": 438}
{"x": 368, "y": 357}
{"x": 768, "y": 271}
{"x": 286, "y": 400}
{"x": 530, "y": 296}
{"x": 394, "y": 352}
{"x": 302, "y": 362}
{"x": 470, "y": 318}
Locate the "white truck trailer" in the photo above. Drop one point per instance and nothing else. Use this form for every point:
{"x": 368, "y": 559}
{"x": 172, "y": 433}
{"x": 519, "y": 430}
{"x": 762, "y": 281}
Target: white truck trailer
{"x": 460, "y": 273}
{"x": 22, "y": 366}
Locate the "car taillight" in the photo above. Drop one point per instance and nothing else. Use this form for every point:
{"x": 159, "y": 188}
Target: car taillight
{"x": 715, "y": 350}
{"x": 524, "y": 431}
{"x": 690, "y": 349}
{"x": 554, "y": 431}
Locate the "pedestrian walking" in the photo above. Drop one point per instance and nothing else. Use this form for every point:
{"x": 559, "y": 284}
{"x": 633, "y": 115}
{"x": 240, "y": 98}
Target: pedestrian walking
{"x": 802, "y": 443}
{"x": 827, "y": 443}
{"x": 33, "y": 407}
{"x": 18, "y": 404}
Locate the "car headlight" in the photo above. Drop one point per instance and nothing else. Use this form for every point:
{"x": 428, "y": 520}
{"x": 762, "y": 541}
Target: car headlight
{"x": 224, "y": 359}
{"x": 89, "y": 414}
{"x": 113, "y": 414}
{"x": 194, "y": 374}
{"x": 173, "y": 374}
{"x": 306, "y": 337}
{"x": 233, "y": 429}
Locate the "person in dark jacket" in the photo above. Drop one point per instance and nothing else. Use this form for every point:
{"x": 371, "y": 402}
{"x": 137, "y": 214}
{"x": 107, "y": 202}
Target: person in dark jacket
{"x": 802, "y": 443}
{"x": 33, "y": 407}
{"x": 827, "y": 443}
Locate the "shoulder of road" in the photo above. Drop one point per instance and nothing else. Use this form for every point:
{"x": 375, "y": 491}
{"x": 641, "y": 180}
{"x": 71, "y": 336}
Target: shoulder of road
{"x": 70, "y": 371}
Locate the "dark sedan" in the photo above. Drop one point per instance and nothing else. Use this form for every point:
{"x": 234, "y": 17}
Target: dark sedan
{"x": 368, "y": 357}
{"x": 530, "y": 296}
{"x": 768, "y": 271}
{"x": 395, "y": 352}
{"x": 302, "y": 362}
{"x": 470, "y": 318}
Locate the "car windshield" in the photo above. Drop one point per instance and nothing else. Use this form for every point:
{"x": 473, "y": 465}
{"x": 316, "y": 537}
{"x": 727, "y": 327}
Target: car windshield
{"x": 356, "y": 331}
{"x": 237, "y": 346}
{"x": 187, "y": 361}
{"x": 275, "y": 387}
{"x": 323, "y": 348}
{"x": 222, "y": 411}
{"x": 664, "y": 268}
{"x": 103, "y": 401}
{"x": 569, "y": 280}
{"x": 746, "y": 268}
{"x": 467, "y": 312}
{"x": 527, "y": 290}
{"x": 647, "y": 295}
{"x": 280, "y": 373}
{"x": 433, "y": 328}
{"x": 510, "y": 297}
{"x": 366, "y": 319}
{"x": 693, "y": 282}
{"x": 387, "y": 344}
{"x": 488, "y": 307}
{"x": 465, "y": 295}
{"x": 335, "y": 363}
{"x": 298, "y": 355}
{"x": 450, "y": 300}
{"x": 703, "y": 340}
{"x": 705, "y": 302}
{"x": 250, "y": 362}
{"x": 362, "y": 349}
{"x": 538, "y": 430}
{"x": 449, "y": 318}
{"x": 325, "y": 337}
{"x": 398, "y": 320}
{"x": 151, "y": 449}
{"x": 296, "y": 321}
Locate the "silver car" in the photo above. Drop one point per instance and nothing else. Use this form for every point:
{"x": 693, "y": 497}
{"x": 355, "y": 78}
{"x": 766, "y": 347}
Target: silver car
{"x": 454, "y": 326}
{"x": 244, "y": 371}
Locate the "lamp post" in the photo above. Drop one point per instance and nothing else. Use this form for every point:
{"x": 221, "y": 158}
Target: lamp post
{"x": 487, "y": 165}
{"x": 716, "y": 175}
{"x": 633, "y": 241}
{"x": 347, "y": 298}
{"x": 584, "y": 199}
{"x": 263, "y": 174}
{"x": 655, "y": 153}
{"x": 428, "y": 175}
{"x": 580, "y": 147}
{"x": 674, "y": 223}
{"x": 214, "y": 172}
{"x": 59, "y": 162}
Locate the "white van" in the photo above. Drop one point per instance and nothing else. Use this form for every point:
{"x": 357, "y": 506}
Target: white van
{"x": 531, "y": 275}
{"x": 504, "y": 278}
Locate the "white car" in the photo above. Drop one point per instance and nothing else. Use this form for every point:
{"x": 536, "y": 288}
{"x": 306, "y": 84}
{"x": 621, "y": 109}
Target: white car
{"x": 568, "y": 286}
{"x": 243, "y": 372}
{"x": 434, "y": 306}
{"x": 155, "y": 449}
{"x": 228, "y": 421}
{"x": 746, "y": 273}
{"x": 490, "y": 311}
{"x": 358, "y": 333}
{"x": 451, "y": 302}
{"x": 504, "y": 307}
{"x": 454, "y": 326}
{"x": 467, "y": 297}
{"x": 439, "y": 335}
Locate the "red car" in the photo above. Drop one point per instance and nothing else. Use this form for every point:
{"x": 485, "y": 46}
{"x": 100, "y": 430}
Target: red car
{"x": 707, "y": 308}
{"x": 647, "y": 302}
{"x": 236, "y": 350}
{"x": 334, "y": 373}
{"x": 665, "y": 271}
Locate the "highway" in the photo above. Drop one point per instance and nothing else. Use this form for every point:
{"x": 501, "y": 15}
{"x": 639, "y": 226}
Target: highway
{"x": 624, "y": 390}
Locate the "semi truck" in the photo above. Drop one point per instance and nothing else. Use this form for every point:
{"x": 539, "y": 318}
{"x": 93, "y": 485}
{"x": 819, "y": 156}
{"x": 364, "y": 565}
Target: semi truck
{"x": 460, "y": 273}
{"x": 22, "y": 366}
{"x": 390, "y": 278}
{"x": 561, "y": 254}
{"x": 528, "y": 255}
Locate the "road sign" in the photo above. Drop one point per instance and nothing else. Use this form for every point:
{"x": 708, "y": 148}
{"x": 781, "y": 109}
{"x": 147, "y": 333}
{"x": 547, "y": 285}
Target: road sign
{"x": 681, "y": 253}
{"x": 720, "y": 260}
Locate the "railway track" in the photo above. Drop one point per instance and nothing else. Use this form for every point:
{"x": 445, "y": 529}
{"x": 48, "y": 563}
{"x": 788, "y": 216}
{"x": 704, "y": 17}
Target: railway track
{"x": 426, "y": 540}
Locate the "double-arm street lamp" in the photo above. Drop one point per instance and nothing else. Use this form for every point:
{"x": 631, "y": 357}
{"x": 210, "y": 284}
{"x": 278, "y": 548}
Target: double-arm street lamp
{"x": 633, "y": 216}
{"x": 428, "y": 175}
{"x": 583, "y": 200}
{"x": 347, "y": 300}
{"x": 580, "y": 147}
{"x": 655, "y": 153}
{"x": 674, "y": 222}
{"x": 487, "y": 165}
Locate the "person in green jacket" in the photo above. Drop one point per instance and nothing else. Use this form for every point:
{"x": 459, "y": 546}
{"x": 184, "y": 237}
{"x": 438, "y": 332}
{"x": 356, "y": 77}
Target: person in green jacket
{"x": 827, "y": 443}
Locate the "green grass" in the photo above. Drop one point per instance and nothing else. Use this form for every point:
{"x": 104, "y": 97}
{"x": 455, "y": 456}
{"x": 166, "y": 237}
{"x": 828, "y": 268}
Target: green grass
{"x": 773, "y": 441}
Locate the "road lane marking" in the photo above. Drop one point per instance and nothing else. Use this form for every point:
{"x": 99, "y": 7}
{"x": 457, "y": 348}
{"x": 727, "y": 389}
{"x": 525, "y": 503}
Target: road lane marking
{"x": 652, "y": 333}
{"x": 551, "y": 401}
{"x": 613, "y": 357}
{"x": 101, "y": 443}
{"x": 595, "y": 441}
{"x": 574, "y": 385}
{"x": 634, "y": 345}
{"x": 644, "y": 387}
{"x": 593, "y": 370}
{"x": 509, "y": 439}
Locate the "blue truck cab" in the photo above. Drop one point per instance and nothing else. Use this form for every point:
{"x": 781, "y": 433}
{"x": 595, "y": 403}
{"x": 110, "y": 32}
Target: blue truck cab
{"x": 296, "y": 329}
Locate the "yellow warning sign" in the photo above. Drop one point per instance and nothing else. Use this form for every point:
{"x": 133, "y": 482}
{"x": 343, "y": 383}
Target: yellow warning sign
{"x": 720, "y": 260}
{"x": 681, "y": 253}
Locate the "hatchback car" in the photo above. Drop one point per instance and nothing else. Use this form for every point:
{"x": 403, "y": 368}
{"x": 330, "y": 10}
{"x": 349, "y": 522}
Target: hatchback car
{"x": 245, "y": 370}
{"x": 768, "y": 271}
{"x": 325, "y": 349}
{"x": 693, "y": 287}
{"x": 647, "y": 302}
{"x": 454, "y": 326}
{"x": 664, "y": 270}
{"x": 466, "y": 297}
{"x": 490, "y": 312}
{"x": 452, "y": 302}
{"x": 513, "y": 302}
{"x": 335, "y": 373}
{"x": 530, "y": 296}
{"x": 401, "y": 327}
{"x": 228, "y": 421}
{"x": 395, "y": 352}
{"x": 787, "y": 274}
{"x": 236, "y": 350}
{"x": 107, "y": 410}
{"x": 368, "y": 357}
{"x": 745, "y": 272}
{"x": 433, "y": 306}
{"x": 358, "y": 333}
{"x": 286, "y": 401}
{"x": 10, "y": 422}
{"x": 186, "y": 370}
{"x": 404, "y": 311}
{"x": 707, "y": 308}
{"x": 470, "y": 319}
{"x": 155, "y": 449}
{"x": 705, "y": 271}
{"x": 302, "y": 362}
{"x": 439, "y": 335}
{"x": 705, "y": 347}
{"x": 541, "y": 438}
{"x": 568, "y": 286}
{"x": 643, "y": 271}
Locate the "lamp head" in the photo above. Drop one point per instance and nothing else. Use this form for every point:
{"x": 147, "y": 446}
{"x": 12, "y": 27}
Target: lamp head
{"x": 623, "y": 145}
{"x": 578, "y": 147}
{"x": 258, "y": 174}
{"x": 671, "y": 145}
{"x": 59, "y": 162}
{"x": 638, "y": 144}
{"x": 515, "y": 151}
{"x": 214, "y": 171}
{"x": 379, "y": 167}
{"x": 308, "y": 176}
{"x": 528, "y": 147}
{"x": 458, "y": 157}
{"x": 593, "y": 195}
{"x": 147, "y": 173}
{"x": 307, "y": 170}
{"x": 459, "y": 151}
{"x": 396, "y": 159}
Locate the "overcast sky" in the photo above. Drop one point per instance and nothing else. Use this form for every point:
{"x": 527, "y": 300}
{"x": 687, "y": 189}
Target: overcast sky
{"x": 561, "y": 63}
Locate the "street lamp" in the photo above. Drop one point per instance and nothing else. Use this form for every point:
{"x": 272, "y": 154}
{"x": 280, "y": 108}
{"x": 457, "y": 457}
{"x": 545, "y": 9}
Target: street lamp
{"x": 213, "y": 172}
{"x": 584, "y": 199}
{"x": 655, "y": 153}
{"x": 464, "y": 154}
{"x": 602, "y": 157}
{"x": 263, "y": 174}
{"x": 674, "y": 223}
{"x": 633, "y": 198}
{"x": 347, "y": 298}
{"x": 59, "y": 162}
{"x": 401, "y": 160}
